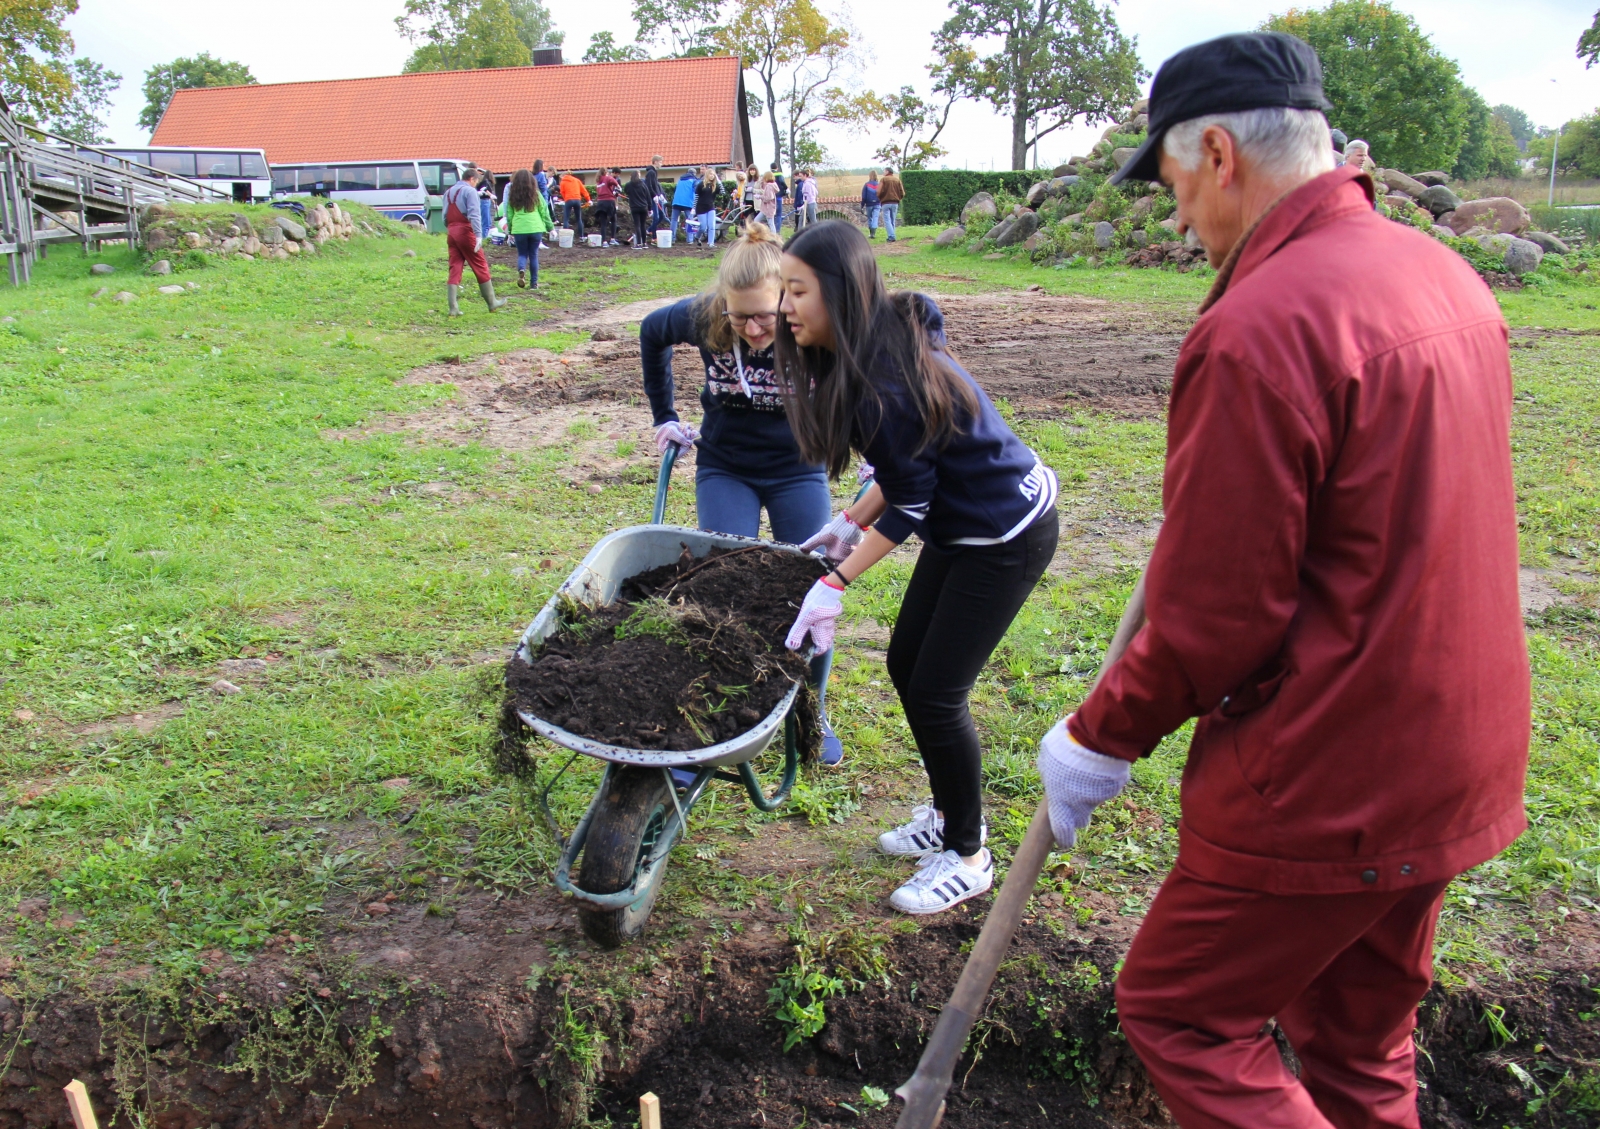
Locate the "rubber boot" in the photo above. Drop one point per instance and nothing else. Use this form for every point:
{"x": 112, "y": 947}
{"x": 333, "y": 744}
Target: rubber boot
{"x": 452, "y": 294}
{"x": 487, "y": 290}
{"x": 522, "y": 280}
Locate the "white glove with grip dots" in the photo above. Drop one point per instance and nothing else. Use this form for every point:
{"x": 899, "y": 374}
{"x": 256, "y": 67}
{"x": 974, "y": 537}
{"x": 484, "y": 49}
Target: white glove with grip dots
{"x": 836, "y": 539}
{"x": 865, "y": 473}
{"x": 1076, "y": 781}
{"x": 821, "y": 607}
{"x": 674, "y": 432}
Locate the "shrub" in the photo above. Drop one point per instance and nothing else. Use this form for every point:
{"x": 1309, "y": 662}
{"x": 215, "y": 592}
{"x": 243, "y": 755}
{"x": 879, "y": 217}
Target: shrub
{"x": 938, "y": 195}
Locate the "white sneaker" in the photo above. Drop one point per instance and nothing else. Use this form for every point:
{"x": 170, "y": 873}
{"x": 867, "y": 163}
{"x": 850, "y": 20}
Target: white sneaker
{"x": 942, "y": 881}
{"x": 922, "y": 835}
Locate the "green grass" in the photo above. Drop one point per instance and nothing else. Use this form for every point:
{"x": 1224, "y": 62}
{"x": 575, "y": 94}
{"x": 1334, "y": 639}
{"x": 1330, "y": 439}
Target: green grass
{"x": 171, "y": 495}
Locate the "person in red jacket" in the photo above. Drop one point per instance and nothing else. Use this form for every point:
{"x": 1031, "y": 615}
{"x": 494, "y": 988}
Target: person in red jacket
{"x": 1333, "y": 594}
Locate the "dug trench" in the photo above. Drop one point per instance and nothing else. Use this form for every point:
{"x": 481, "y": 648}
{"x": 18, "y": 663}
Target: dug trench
{"x": 484, "y": 1006}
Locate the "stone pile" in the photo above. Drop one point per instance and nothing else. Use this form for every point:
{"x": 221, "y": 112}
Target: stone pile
{"x": 1498, "y": 224}
{"x": 1105, "y": 157}
{"x": 235, "y": 236}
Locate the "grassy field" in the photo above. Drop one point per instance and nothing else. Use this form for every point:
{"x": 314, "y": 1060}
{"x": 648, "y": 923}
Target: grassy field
{"x": 173, "y": 496}
{"x": 1535, "y": 189}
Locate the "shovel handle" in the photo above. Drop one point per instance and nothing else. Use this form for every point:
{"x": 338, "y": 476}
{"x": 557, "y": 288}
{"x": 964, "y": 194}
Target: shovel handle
{"x": 925, "y": 1091}
{"x": 662, "y": 480}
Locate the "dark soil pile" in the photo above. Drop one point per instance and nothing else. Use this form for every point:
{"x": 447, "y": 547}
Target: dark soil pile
{"x": 691, "y": 655}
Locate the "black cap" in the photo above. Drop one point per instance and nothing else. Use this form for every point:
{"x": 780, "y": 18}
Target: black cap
{"x": 1250, "y": 71}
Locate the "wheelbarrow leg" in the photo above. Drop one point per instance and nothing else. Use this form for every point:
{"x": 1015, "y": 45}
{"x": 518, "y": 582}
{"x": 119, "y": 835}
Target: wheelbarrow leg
{"x": 791, "y": 766}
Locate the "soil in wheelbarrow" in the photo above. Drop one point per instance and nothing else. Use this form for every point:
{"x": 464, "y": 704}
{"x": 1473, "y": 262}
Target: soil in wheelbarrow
{"x": 691, "y": 655}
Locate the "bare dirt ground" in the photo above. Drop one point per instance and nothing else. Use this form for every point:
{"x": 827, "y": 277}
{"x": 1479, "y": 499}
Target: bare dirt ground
{"x": 479, "y": 993}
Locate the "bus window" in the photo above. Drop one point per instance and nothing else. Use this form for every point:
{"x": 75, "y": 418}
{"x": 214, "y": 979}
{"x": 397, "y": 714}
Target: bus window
{"x": 253, "y": 165}
{"x": 363, "y": 178}
{"x": 283, "y": 179}
{"x": 217, "y": 166}
{"x": 397, "y": 176}
{"x": 436, "y": 178}
{"x": 317, "y": 181}
{"x": 180, "y": 163}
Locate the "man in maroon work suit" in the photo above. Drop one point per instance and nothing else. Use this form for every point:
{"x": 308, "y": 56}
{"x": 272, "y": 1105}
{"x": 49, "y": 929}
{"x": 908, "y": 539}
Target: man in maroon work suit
{"x": 1333, "y": 594}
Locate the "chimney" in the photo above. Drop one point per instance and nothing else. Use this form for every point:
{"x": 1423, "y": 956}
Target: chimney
{"x": 547, "y": 56}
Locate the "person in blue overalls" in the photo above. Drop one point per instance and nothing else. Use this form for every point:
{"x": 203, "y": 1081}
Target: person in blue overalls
{"x": 746, "y": 457}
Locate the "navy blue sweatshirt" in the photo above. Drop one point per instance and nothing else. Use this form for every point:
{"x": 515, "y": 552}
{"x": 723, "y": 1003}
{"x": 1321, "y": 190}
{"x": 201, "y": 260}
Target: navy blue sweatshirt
{"x": 743, "y": 432}
{"x": 982, "y": 488}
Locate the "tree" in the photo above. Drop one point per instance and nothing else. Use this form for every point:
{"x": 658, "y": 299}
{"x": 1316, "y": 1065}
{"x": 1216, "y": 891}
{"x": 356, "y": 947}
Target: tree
{"x": 161, "y": 82}
{"x": 1388, "y": 84}
{"x": 803, "y": 61}
{"x": 81, "y": 118}
{"x": 603, "y": 49}
{"x": 687, "y": 28}
{"x": 909, "y": 114}
{"x": 535, "y": 26}
{"x": 460, "y": 35}
{"x": 1055, "y": 61}
{"x": 1521, "y": 126}
{"x": 1589, "y": 43}
{"x": 34, "y": 46}
{"x": 1489, "y": 148}
{"x": 1579, "y": 150}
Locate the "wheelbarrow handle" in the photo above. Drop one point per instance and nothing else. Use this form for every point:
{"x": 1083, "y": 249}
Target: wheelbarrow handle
{"x": 662, "y": 480}
{"x": 925, "y": 1090}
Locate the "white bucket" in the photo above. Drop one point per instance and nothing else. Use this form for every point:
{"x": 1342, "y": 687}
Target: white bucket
{"x": 564, "y": 237}
{"x": 594, "y": 241}
{"x": 664, "y": 237}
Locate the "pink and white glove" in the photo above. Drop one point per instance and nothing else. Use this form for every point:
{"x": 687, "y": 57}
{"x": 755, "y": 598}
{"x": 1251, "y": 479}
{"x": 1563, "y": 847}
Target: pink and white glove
{"x": 1076, "y": 781}
{"x": 821, "y": 607}
{"x": 676, "y": 432}
{"x": 837, "y": 539}
{"x": 865, "y": 473}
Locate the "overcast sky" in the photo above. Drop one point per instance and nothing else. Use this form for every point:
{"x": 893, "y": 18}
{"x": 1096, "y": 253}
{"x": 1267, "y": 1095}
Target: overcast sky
{"x": 1520, "y": 53}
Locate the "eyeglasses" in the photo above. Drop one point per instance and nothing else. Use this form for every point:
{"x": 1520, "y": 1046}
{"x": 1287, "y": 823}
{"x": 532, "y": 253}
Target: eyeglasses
{"x": 763, "y": 320}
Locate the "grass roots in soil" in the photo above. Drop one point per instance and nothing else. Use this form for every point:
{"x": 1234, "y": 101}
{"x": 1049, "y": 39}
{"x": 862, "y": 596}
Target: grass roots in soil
{"x": 691, "y": 655}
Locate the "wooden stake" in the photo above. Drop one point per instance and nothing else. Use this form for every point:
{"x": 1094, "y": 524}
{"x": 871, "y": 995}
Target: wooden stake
{"x": 649, "y": 1111}
{"x": 78, "y": 1103}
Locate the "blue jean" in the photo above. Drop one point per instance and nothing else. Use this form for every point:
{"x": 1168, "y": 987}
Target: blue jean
{"x": 777, "y": 219}
{"x": 891, "y": 212}
{"x": 486, "y": 210}
{"x": 708, "y": 232}
{"x": 872, "y": 218}
{"x": 796, "y": 507}
{"x": 679, "y": 212}
{"x": 528, "y": 252}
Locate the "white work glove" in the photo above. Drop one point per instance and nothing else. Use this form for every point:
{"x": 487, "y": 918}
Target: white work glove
{"x": 821, "y": 607}
{"x": 865, "y": 473}
{"x": 478, "y": 245}
{"x": 674, "y": 432}
{"x": 1076, "y": 781}
{"x": 837, "y": 539}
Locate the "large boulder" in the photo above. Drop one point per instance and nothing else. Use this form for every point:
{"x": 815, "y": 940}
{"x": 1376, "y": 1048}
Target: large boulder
{"x": 1142, "y": 106}
{"x": 1122, "y": 156}
{"x": 1494, "y": 244}
{"x": 1036, "y": 241}
{"x": 950, "y": 235}
{"x": 1061, "y": 185}
{"x": 1433, "y": 179}
{"x": 161, "y": 266}
{"x": 1399, "y": 202}
{"x": 1001, "y": 229}
{"x": 272, "y": 234}
{"x": 1140, "y": 211}
{"x": 1400, "y": 182}
{"x": 1523, "y": 256}
{"x": 1037, "y": 194}
{"x": 1498, "y": 213}
{"x": 1021, "y": 227}
{"x": 297, "y": 233}
{"x": 1438, "y": 199}
{"x": 1547, "y": 243}
{"x": 1104, "y": 233}
{"x": 1063, "y": 170}
{"x": 980, "y": 207}
{"x": 102, "y": 268}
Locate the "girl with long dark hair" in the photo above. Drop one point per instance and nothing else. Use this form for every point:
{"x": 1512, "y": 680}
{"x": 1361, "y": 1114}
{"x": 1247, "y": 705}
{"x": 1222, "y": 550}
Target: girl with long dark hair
{"x": 868, "y": 373}
{"x": 747, "y": 459}
{"x": 527, "y": 217}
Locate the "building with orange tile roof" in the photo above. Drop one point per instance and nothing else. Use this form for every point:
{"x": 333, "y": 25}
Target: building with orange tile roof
{"x": 580, "y": 117}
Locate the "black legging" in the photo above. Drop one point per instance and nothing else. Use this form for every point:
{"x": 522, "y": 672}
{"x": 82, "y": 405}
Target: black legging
{"x": 605, "y": 218}
{"x": 641, "y": 226}
{"x": 956, "y": 609}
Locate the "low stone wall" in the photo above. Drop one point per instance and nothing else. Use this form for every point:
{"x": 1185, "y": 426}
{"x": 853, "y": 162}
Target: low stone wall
{"x": 235, "y": 236}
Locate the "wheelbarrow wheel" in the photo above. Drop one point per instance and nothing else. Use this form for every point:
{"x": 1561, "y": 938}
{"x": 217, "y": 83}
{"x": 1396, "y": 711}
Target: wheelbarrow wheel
{"x": 625, "y": 829}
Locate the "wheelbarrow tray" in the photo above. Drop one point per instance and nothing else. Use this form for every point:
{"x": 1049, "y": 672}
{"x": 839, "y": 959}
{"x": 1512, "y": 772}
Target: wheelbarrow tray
{"x": 595, "y": 583}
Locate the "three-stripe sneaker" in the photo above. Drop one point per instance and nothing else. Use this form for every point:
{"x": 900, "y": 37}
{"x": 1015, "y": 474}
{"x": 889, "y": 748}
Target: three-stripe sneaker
{"x": 943, "y": 880}
{"x": 922, "y": 835}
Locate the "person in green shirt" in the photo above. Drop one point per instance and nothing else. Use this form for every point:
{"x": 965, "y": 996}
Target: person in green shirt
{"x": 527, "y": 217}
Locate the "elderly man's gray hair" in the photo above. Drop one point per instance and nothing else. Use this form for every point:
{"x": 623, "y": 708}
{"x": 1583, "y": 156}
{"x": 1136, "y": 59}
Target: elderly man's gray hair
{"x": 1278, "y": 141}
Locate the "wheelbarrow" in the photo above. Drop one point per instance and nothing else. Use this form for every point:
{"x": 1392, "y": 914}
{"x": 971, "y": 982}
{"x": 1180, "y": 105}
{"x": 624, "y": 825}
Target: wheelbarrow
{"x": 639, "y": 812}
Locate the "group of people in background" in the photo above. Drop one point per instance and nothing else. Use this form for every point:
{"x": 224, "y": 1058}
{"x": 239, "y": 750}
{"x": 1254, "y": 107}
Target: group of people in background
{"x": 880, "y": 199}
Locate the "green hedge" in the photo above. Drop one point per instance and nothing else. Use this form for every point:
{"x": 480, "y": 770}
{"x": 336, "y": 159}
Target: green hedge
{"x": 938, "y": 195}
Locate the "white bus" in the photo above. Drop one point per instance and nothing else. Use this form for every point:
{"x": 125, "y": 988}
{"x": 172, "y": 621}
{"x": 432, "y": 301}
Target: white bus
{"x": 239, "y": 173}
{"x": 408, "y": 191}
